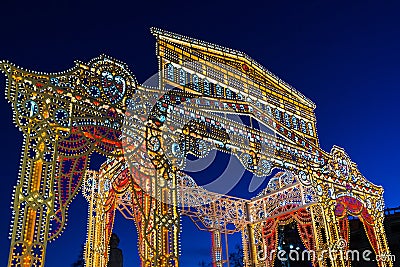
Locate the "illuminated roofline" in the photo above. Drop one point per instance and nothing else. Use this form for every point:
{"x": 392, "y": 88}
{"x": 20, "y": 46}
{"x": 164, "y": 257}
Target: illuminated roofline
{"x": 159, "y": 33}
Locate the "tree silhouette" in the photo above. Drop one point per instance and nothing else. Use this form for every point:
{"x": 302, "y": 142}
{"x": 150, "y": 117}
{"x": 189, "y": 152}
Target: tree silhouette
{"x": 204, "y": 264}
{"x": 80, "y": 262}
{"x": 236, "y": 258}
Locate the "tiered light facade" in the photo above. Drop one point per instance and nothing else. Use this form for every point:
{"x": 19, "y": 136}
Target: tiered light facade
{"x": 147, "y": 132}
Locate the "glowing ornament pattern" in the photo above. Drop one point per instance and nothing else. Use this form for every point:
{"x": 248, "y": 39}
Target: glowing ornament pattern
{"x": 65, "y": 117}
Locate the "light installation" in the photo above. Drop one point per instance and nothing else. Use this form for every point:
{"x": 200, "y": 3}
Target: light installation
{"x": 147, "y": 132}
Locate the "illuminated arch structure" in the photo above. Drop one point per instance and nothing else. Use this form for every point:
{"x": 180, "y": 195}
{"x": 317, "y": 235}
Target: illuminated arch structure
{"x": 64, "y": 117}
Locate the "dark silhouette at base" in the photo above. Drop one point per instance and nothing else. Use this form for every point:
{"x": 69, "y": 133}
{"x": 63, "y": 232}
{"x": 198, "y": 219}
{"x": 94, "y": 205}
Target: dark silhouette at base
{"x": 115, "y": 258}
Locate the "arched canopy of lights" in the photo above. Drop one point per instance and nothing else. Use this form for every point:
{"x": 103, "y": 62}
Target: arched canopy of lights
{"x": 147, "y": 132}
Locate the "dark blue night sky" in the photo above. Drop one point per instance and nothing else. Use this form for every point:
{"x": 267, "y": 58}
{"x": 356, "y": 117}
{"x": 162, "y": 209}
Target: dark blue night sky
{"x": 343, "y": 55}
